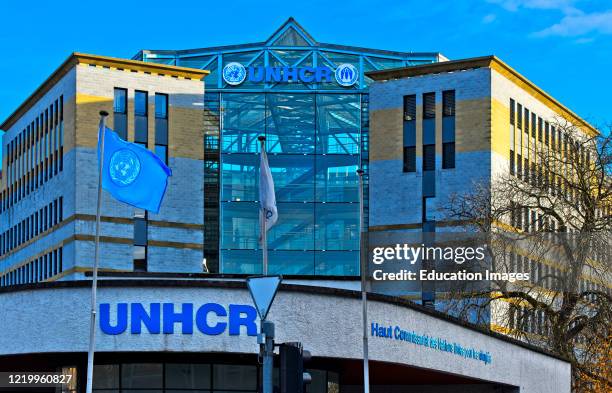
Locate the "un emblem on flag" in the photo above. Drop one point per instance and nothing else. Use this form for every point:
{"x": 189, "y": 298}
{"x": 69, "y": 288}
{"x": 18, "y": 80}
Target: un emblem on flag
{"x": 346, "y": 75}
{"x": 124, "y": 167}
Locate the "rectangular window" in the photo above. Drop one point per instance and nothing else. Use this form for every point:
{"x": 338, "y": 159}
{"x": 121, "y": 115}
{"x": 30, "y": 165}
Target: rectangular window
{"x": 161, "y": 106}
{"x": 120, "y": 112}
{"x": 546, "y": 133}
{"x": 140, "y": 240}
{"x": 409, "y": 158}
{"x": 448, "y": 155}
{"x": 519, "y": 116}
{"x": 140, "y": 103}
{"x": 141, "y": 124}
{"x": 410, "y": 107}
{"x": 161, "y": 126}
{"x": 409, "y": 135}
{"x": 540, "y": 122}
{"x": 512, "y": 111}
{"x": 448, "y": 103}
{"x": 429, "y": 105}
{"x": 527, "y": 121}
{"x": 429, "y": 157}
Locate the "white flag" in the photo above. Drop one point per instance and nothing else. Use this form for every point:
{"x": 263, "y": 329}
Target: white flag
{"x": 266, "y": 191}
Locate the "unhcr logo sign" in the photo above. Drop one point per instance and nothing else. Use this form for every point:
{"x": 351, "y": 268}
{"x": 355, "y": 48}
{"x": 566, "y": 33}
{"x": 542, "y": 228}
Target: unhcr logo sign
{"x": 210, "y": 319}
{"x": 234, "y": 74}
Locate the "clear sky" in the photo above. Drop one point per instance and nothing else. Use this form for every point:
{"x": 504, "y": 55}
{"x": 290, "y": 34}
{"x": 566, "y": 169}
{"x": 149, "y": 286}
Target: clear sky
{"x": 564, "y": 46}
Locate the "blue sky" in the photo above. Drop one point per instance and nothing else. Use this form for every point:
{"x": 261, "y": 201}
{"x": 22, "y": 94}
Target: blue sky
{"x": 564, "y": 46}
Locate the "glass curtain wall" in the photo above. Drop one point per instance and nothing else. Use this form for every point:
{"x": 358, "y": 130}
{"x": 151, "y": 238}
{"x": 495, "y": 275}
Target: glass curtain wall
{"x": 314, "y": 150}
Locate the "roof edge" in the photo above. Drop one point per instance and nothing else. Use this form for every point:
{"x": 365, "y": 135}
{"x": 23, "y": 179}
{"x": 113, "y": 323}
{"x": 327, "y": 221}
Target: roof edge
{"x": 490, "y": 61}
{"x": 104, "y": 61}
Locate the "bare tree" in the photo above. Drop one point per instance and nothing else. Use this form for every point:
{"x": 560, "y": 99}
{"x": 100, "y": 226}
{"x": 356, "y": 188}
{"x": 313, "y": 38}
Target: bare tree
{"x": 548, "y": 215}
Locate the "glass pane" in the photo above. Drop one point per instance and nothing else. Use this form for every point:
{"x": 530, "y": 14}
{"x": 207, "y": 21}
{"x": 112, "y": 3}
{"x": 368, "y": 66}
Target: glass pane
{"x": 188, "y": 376}
{"x": 339, "y": 123}
{"x": 141, "y": 375}
{"x": 161, "y": 106}
{"x": 291, "y": 123}
{"x": 290, "y": 37}
{"x": 243, "y": 122}
{"x": 239, "y": 177}
{"x": 196, "y": 62}
{"x": 291, "y": 262}
{"x": 337, "y": 226}
{"x": 140, "y": 103}
{"x": 106, "y": 376}
{"x": 228, "y": 376}
{"x": 241, "y": 261}
{"x": 120, "y": 100}
{"x": 337, "y": 179}
{"x": 294, "y": 229}
{"x": 293, "y": 177}
{"x": 239, "y": 225}
{"x": 337, "y": 263}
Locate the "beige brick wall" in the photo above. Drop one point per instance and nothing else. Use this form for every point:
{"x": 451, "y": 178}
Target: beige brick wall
{"x": 386, "y": 134}
{"x": 95, "y": 91}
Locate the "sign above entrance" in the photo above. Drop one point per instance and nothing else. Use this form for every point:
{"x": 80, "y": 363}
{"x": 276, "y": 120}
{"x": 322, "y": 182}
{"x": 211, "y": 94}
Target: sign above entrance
{"x": 234, "y": 74}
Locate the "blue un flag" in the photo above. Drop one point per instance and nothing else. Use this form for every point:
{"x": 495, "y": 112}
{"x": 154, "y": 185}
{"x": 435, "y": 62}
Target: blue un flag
{"x": 131, "y": 173}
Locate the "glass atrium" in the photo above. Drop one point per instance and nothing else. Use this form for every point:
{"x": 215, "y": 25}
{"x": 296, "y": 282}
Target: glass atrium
{"x": 316, "y": 138}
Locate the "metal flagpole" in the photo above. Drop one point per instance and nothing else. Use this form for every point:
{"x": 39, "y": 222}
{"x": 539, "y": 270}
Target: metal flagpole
{"x": 262, "y": 218}
{"x": 363, "y": 257}
{"x": 94, "y": 282}
{"x": 267, "y": 327}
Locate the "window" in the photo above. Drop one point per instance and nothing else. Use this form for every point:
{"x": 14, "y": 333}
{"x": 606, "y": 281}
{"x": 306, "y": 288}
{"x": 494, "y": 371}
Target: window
{"x": 120, "y": 113}
{"x": 448, "y": 155}
{"x": 161, "y": 126}
{"x": 512, "y": 111}
{"x": 141, "y": 124}
{"x": 140, "y": 240}
{"x": 448, "y": 129}
{"x": 429, "y": 105}
{"x": 120, "y": 101}
{"x": 540, "y": 121}
{"x": 410, "y": 107}
{"x": 409, "y": 158}
{"x": 161, "y": 106}
{"x": 409, "y": 141}
{"x": 519, "y": 118}
{"x": 429, "y": 157}
{"x": 448, "y": 103}
{"x": 140, "y": 103}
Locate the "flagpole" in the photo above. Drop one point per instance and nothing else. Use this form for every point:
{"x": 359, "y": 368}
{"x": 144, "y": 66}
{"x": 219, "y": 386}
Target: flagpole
{"x": 262, "y": 219}
{"x": 94, "y": 281}
{"x": 363, "y": 257}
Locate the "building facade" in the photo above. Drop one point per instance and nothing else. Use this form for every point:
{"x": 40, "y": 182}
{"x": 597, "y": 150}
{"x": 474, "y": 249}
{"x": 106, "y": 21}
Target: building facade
{"x": 48, "y": 205}
{"x": 316, "y": 125}
{"x": 445, "y": 130}
{"x": 163, "y": 327}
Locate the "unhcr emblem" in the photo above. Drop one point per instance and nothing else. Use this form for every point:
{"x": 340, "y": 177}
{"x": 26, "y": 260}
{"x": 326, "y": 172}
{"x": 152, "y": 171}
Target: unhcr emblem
{"x": 346, "y": 75}
{"x": 234, "y": 73}
{"x": 124, "y": 167}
